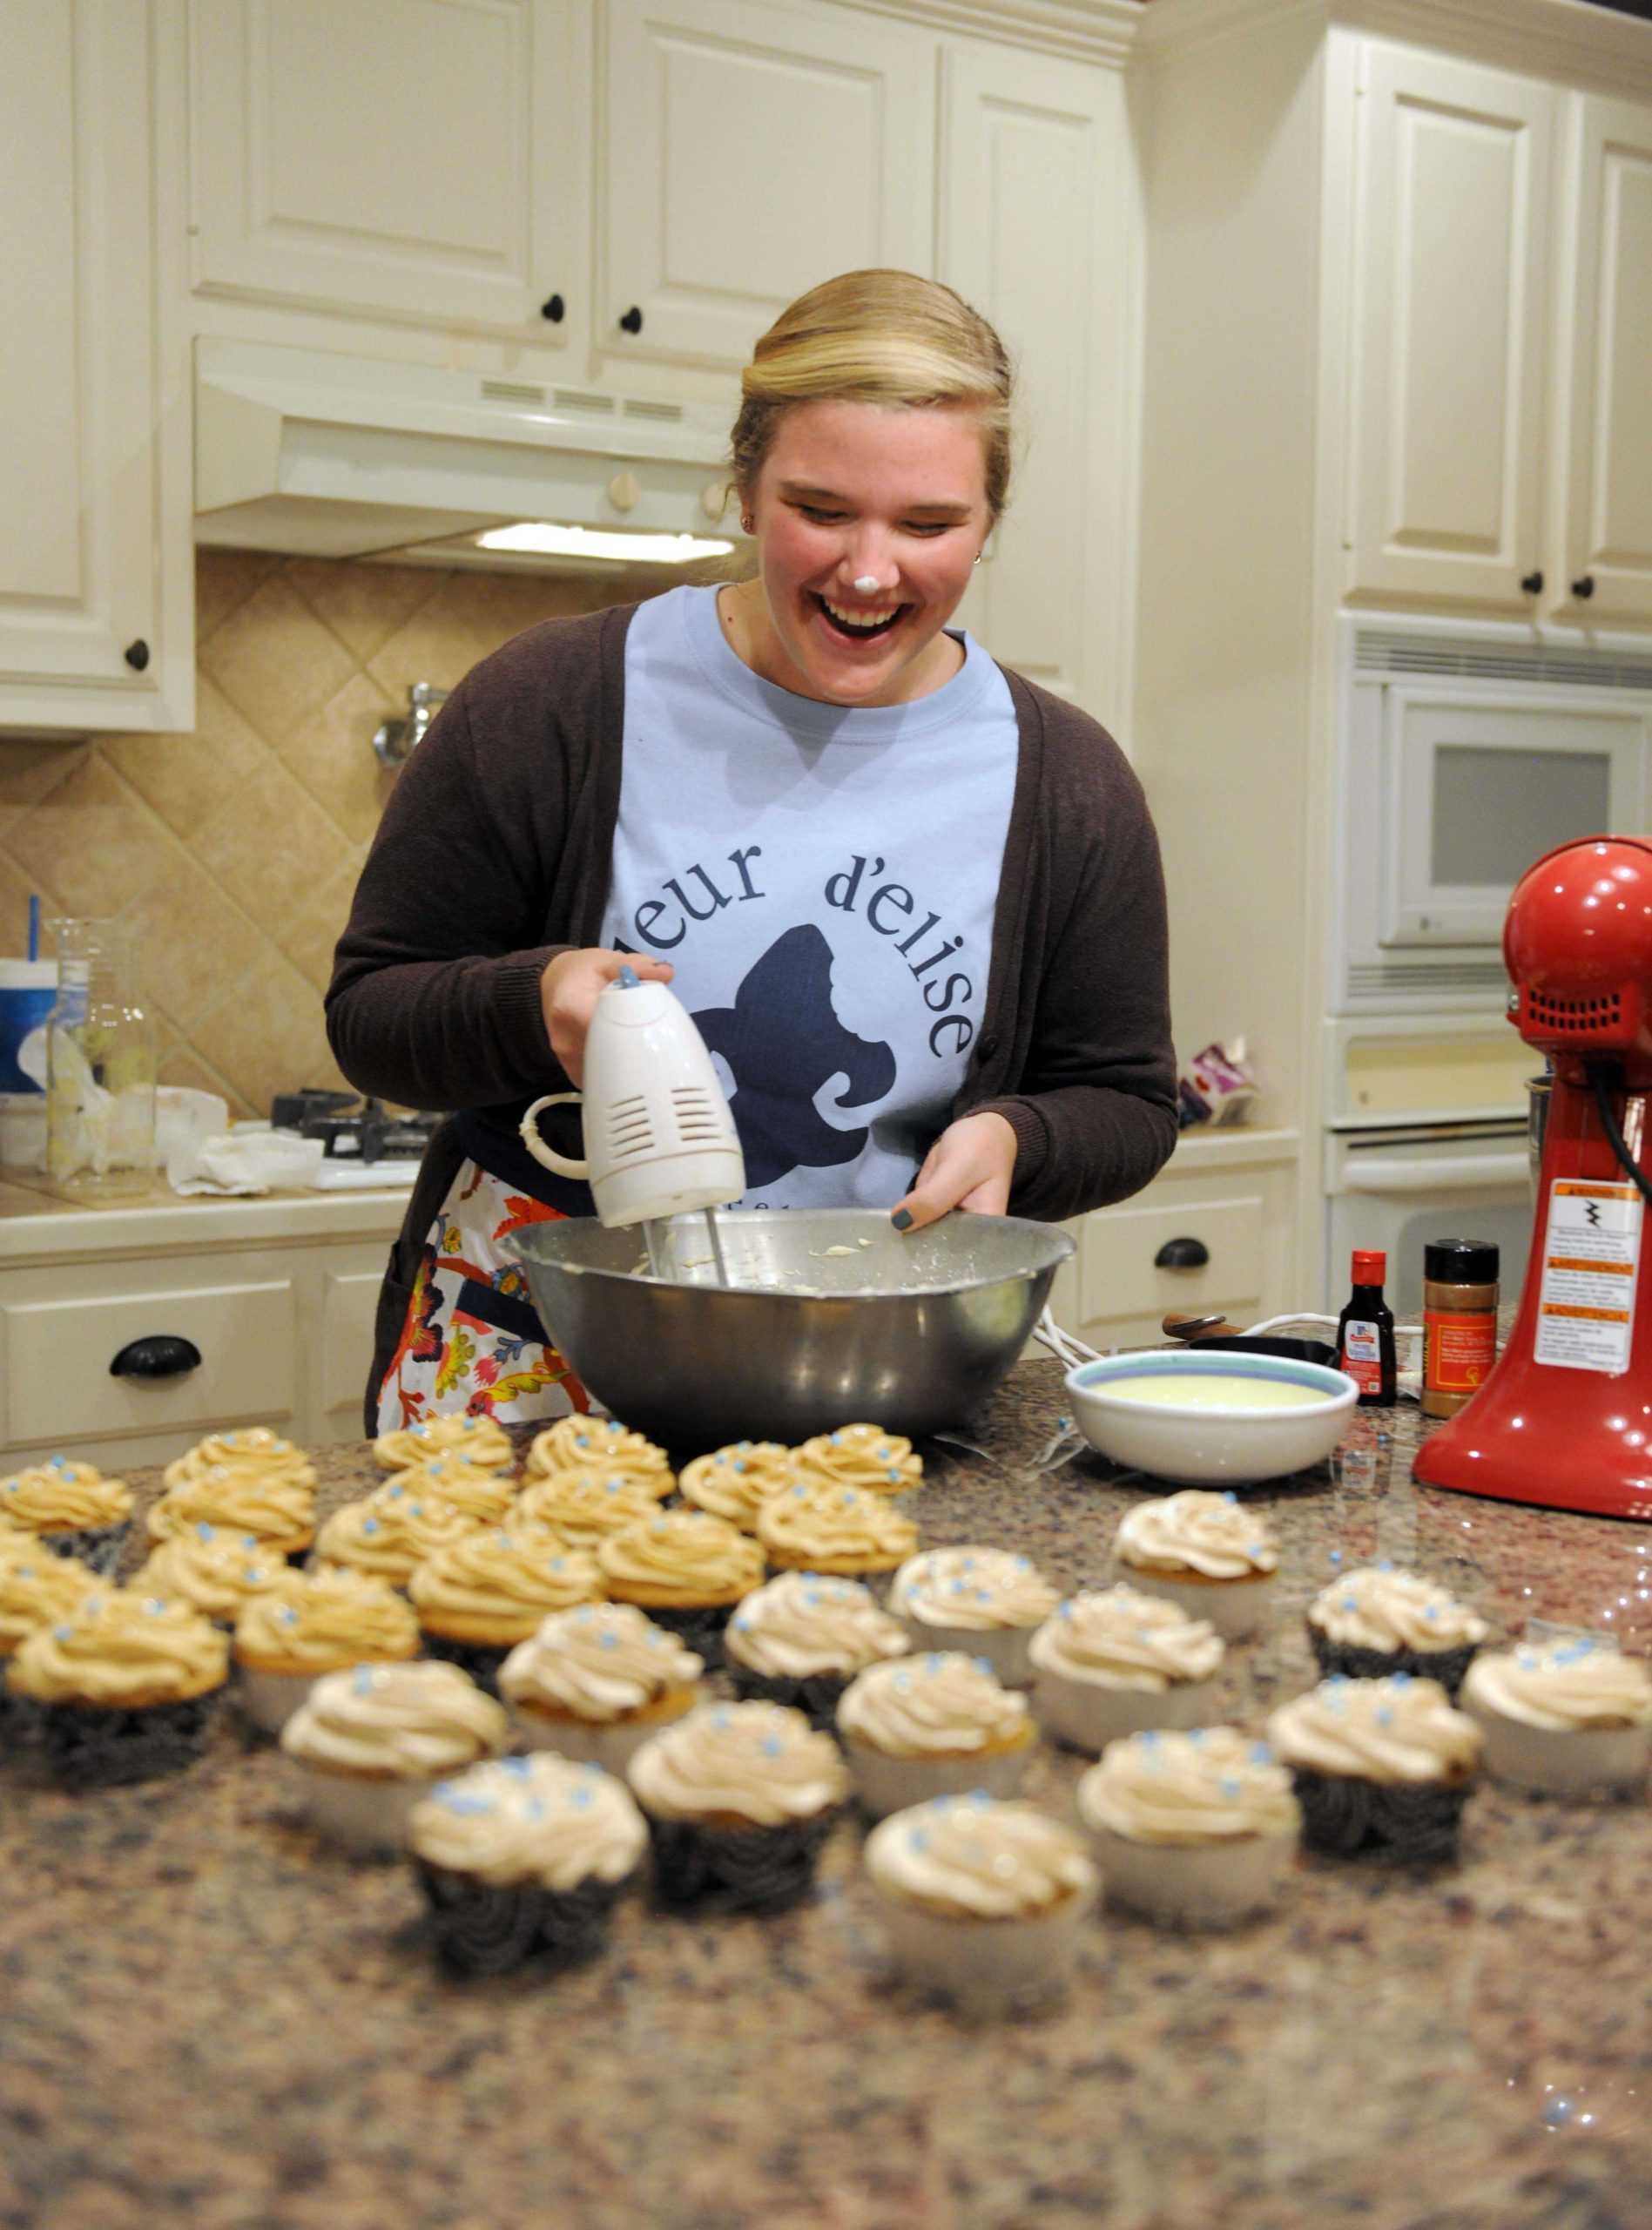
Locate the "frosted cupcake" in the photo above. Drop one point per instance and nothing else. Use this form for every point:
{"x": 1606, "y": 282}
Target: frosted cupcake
{"x": 982, "y": 1900}
{"x": 1573, "y": 1718}
{"x": 985, "y": 1601}
{"x": 212, "y": 1571}
{"x": 36, "y": 1589}
{"x": 279, "y": 1507}
{"x": 1375, "y": 1620}
{"x": 254, "y": 1452}
{"x": 523, "y": 1858}
{"x": 836, "y": 1530}
{"x": 312, "y": 1623}
{"x": 481, "y": 1596}
{"x": 487, "y": 1497}
{"x": 596, "y": 1683}
{"x": 932, "y": 1726}
{"x": 583, "y": 1443}
{"x": 1207, "y": 1553}
{"x": 734, "y": 1483}
{"x": 122, "y": 1688}
{"x": 373, "y": 1741}
{"x": 1384, "y": 1766}
{"x": 389, "y": 1533}
{"x": 864, "y": 1456}
{"x": 480, "y": 1441}
{"x": 801, "y": 1639}
{"x": 1113, "y": 1662}
{"x": 686, "y": 1570}
{"x": 585, "y": 1507}
{"x": 740, "y": 1798}
{"x": 71, "y": 1510}
{"x": 1199, "y": 1828}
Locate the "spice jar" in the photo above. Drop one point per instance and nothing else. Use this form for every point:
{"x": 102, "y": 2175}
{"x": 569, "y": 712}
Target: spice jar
{"x": 1459, "y": 1321}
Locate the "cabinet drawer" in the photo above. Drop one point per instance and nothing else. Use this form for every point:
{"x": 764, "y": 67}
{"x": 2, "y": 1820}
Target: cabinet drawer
{"x": 1118, "y": 1276}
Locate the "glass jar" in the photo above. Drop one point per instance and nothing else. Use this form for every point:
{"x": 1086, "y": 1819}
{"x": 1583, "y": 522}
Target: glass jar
{"x": 1459, "y": 1321}
{"x": 100, "y": 1066}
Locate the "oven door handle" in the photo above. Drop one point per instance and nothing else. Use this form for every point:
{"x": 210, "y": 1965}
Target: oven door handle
{"x": 1412, "y": 1174}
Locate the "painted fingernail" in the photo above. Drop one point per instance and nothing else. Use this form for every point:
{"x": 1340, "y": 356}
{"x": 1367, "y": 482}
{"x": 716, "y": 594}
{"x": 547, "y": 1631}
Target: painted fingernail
{"x": 901, "y": 1219}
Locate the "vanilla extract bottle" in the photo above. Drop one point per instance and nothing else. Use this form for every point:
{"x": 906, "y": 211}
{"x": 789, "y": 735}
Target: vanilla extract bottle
{"x": 1365, "y": 1333}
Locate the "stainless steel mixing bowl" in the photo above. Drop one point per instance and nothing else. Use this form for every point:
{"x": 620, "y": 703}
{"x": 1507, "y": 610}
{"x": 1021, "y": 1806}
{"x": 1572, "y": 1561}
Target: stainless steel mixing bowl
{"x": 831, "y": 1317}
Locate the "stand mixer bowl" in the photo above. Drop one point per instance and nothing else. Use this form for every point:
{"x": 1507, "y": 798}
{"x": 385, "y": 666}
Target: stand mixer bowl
{"x": 831, "y": 1317}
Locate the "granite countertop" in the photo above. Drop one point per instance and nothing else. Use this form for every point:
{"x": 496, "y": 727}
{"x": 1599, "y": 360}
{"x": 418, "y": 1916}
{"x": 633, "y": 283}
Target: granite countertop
{"x": 208, "y": 2016}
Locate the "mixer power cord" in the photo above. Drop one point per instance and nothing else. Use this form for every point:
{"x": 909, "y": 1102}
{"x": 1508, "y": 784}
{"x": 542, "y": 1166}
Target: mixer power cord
{"x": 1599, "y": 1072}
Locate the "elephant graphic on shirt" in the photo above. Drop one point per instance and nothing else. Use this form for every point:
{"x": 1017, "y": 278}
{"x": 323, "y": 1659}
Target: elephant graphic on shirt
{"x": 783, "y": 1041}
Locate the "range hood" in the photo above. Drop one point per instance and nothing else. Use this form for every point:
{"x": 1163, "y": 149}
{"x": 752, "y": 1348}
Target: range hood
{"x": 325, "y": 456}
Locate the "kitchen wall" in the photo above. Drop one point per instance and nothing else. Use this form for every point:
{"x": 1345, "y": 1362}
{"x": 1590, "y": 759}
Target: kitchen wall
{"x": 233, "y": 851}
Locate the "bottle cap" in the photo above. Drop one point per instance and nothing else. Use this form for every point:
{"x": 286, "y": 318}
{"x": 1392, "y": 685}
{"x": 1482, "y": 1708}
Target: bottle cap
{"x": 1370, "y": 1268}
{"x": 1461, "y": 1261}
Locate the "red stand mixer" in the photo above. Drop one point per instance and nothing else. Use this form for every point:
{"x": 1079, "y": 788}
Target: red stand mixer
{"x": 1565, "y": 1418}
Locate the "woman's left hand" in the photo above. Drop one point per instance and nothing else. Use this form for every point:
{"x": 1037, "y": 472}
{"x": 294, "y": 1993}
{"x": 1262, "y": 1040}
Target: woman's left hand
{"x": 969, "y": 1167}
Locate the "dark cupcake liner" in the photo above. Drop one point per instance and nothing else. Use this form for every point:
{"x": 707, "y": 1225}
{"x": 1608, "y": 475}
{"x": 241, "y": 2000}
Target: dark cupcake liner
{"x": 19, "y": 1717}
{"x": 815, "y": 1695}
{"x": 737, "y": 1869}
{"x": 480, "y": 1659}
{"x": 700, "y": 1627}
{"x": 480, "y": 1929}
{"x": 1408, "y": 1823}
{"x": 91, "y": 1746}
{"x": 100, "y": 1546}
{"x": 1356, "y": 1662}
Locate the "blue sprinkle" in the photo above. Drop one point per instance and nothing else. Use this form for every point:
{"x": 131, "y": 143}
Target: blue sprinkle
{"x": 369, "y": 1525}
{"x": 452, "y": 1798}
{"x": 918, "y": 1839}
{"x": 519, "y": 1769}
{"x": 1230, "y": 1496}
{"x": 362, "y": 1680}
{"x": 771, "y": 1746}
{"x": 608, "y": 1641}
{"x": 1229, "y": 1786}
{"x": 1351, "y": 1602}
{"x": 894, "y": 1477}
{"x": 1400, "y": 1680}
{"x": 1385, "y": 1714}
{"x": 1196, "y": 1736}
{"x": 286, "y": 1616}
{"x": 203, "y": 1531}
{"x": 580, "y": 1798}
{"x": 978, "y": 1800}
{"x": 1149, "y": 1738}
{"x": 61, "y": 1633}
{"x": 720, "y": 1719}
{"x": 983, "y": 1665}
{"x": 1335, "y": 1556}
{"x": 1261, "y": 1754}
{"x": 933, "y": 1663}
{"x": 742, "y": 1625}
{"x": 1385, "y": 1563}
{"x": 1432, "y": 1611}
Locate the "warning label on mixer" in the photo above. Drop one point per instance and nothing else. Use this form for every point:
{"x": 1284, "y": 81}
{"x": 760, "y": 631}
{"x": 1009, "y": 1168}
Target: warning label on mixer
{"x": 1591, "y": 1255}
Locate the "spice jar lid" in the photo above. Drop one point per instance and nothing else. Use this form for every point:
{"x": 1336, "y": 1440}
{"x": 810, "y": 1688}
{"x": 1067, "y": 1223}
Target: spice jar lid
{"x": 1461, "y": 1261}
{"x": 1370, "y": 1266}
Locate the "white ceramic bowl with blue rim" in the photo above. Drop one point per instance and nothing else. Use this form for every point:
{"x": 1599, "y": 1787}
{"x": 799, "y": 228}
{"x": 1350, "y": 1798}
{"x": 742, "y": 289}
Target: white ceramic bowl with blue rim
{"x": 1215, "y": 1444}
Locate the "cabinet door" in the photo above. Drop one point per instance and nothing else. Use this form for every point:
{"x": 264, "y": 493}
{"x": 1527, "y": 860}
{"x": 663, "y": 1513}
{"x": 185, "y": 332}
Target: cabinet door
{"x": 1032, "y": 233}
{"x": 749, "y": 153}
{"x": 95, "y": 617}
{"x": 1450, "y": 308}
{"x": 1605, "y": 442}
{"x": 425, "y": 161}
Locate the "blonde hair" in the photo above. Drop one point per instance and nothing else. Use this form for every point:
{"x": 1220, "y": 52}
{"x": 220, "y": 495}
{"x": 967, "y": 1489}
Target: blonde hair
{"x": 877, "y": 337}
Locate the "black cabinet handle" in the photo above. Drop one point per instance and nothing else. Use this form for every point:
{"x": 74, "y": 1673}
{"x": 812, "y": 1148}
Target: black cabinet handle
{"x": 161, "y": 1354}
{"x": 632, "y": 321}
{"x": 1584, "y": 589}
{"x": 1532, "y": 584}
{"x": 554, "y": 308}
{"x": 1182, "y": 1254}
{"x": 137, "y": 655}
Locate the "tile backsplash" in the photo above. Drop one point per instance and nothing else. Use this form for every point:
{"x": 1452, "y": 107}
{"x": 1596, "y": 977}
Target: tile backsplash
{"x": 233, "y": 851}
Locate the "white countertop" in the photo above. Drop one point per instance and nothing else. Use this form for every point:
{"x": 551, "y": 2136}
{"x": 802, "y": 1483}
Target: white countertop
{"x": 39, "y": 1226}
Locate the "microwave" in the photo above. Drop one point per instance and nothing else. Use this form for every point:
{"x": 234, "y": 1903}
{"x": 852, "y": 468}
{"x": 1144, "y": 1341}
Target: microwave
{"x": 1461, "y": 763}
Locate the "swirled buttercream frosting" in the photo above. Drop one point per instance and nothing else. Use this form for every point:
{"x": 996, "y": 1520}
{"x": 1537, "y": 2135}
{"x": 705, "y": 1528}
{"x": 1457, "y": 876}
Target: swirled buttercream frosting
{"x": 479, "y": 1441}
{"x": 280, "y": 1509}
{"x": 390, "y": 1532}
{"x": 1394, "y": 1730}
{"x": 253, "y": 1451}
{"x": 941, "y": 1705}
{"x": 58, "y": 1497}
{"x": 387, "y": 1722}
{"x": 1214, "y": 1536}
{"x": 1563, "y": 1687}
{"x": 803, "y": 1623}
{"x": 761, "y": 1763}
{"x": 1211, "y": 1785}
{"x": 734, "y": 1483}
{"x": 211, "y": 1570}
{"x": 585, "y": 1507}
{"x": 601, "y": 1663}
{"x": 540, "y": 1819}
{"x": 822, "y": 1528}
{"x": 681, "y": 1556}
{"x": 971, "y": 1587}
{"x": 121, "y": 1650}
{"x": 1376, "y": 1608}
{"x": 1118, "y": 1638}
{"x": 496, "y": 1586}
{"x": 38, "y": 1589}
{"x": 487, "y": 1497}
{"x": 976, "y": 1859}
{"x": 582, "y": 1443}
{"x": 318, "y": 1621}
{"x": 860, "y": 1455}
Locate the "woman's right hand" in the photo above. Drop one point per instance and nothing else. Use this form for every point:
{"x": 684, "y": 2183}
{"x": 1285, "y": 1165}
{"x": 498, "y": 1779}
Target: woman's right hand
{"x": 569, "y": 988}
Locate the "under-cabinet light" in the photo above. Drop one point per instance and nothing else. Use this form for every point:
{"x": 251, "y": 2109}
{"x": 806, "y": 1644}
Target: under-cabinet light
{"x": 548, "y": 541}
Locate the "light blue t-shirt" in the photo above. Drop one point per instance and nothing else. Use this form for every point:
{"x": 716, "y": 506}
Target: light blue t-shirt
{"x": 823, "y": 881}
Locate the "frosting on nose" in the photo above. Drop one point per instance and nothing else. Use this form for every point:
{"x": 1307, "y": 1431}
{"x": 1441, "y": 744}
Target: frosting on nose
{"x": 865, "y": 584}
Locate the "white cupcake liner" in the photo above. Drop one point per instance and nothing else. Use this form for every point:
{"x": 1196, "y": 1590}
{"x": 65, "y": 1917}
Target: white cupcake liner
{"x": 609, "y": 1743}
{"x": 1234, "y": 1607}
{"x": 270, "y": 1699}
{"x": 1194, "y": 1885}
{"x": 1579, "y": 1763}
{"x": 364, "y": 1815}
{"x": 1088, "y": 1715}
{"x": 985, "y": 1965}
{"x": 1005, "y": 1648}
{"x": 883, "y": 1784}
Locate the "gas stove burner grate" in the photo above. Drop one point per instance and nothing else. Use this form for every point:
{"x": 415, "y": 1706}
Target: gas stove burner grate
{"x": 352, "y": 1129}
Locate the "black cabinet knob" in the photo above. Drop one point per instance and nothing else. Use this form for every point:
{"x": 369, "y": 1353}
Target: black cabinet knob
{"x": 1532, "y": 584}
{"x": 161, "y": 1354}
{"x": 632, "y": 321}
{"x": 1182, "y": 1254}
{"x": 1584, "y": 589}
{"x": 137, "y": 655}
{"x": 554, "y": 308}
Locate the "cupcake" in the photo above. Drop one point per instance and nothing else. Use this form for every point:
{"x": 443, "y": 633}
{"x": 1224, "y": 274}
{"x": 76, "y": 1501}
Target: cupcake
{"x": 1111, "y": 1663}
{"x": 487, "y": 1497}
{"x": 71, "y": 1510}
{"x": 585, "y": 1507}
{"x": 1198, "y": 1828}
{"x": 523, "y": 1858}
{"x": 734, "y": 1483}
{"x": 836, "y": 1530}
{"x": 389, "y": 1533}
{"x": 583, "y": 1443}
{"x": 122, "y": 1687}
{"x": 1384, "y": 1766}
{"x": 740, "y": 1799}
{"x": 801, "y": 1639}
{"x": 934, "y": 1726}
{"x": 981, "y": 1900}
{"x": 279, "y": 1507}
{"x": 36, "y": 1589}
{"x": 311, "y": 1623}
{"x": 596, "y": 1683}
{"x": 374, "y": 1741}
{"x": 686, "y": 1570}
{"x": 1376, "y": 1620}
{"x": 213, "y": 1572}
{"x": 1207, "y": 1552}
{"x": 480, "y": 1441}
{"x": 860, "y": 1455}
{"x": 1571, "y": 1718}
{"x": 481, "y": 1596}
{"x": 987, "y": 1602}
{"x": 254, "y": 1452}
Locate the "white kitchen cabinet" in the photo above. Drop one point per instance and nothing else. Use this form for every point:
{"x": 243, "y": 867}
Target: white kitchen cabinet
{"x": 96, "y": 614}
